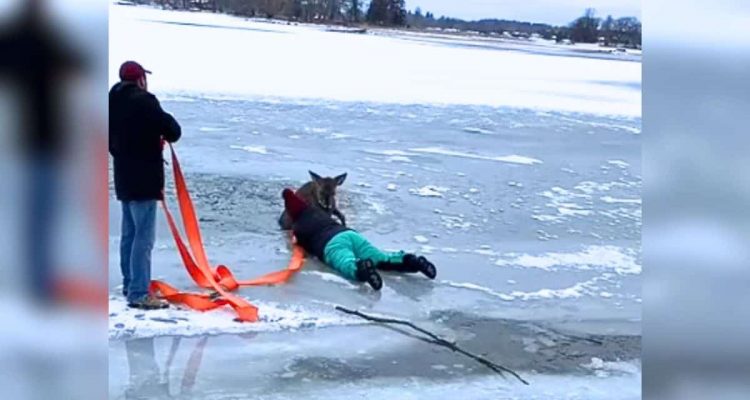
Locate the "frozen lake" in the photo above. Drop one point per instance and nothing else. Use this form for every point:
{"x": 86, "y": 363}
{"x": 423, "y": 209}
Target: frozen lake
{"x": 532, "y": 215}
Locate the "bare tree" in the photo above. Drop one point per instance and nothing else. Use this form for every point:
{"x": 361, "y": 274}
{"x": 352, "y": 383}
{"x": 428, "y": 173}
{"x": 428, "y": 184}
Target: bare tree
{"x": 586, "y": 28}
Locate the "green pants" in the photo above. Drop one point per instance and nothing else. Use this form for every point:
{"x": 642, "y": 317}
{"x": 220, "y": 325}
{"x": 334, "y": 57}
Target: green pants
{"x": 345, "y": 249}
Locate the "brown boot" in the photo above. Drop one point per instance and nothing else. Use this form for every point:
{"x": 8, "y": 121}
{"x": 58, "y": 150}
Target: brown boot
{"x": 149, "y": 303}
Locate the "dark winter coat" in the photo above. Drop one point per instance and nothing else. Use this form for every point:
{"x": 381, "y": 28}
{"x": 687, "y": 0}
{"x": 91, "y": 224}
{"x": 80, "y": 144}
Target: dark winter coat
{"x": 314, "y": 229}
{"x": 137, "y": 125}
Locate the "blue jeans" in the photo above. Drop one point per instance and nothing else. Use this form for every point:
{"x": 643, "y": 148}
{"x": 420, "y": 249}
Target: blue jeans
{"x": 136, "y": 243}
{"x": 41, "y": 213}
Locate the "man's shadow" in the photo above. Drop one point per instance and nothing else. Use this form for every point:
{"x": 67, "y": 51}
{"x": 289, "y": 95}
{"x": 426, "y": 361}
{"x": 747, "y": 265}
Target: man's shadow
{"x": 144, "y": 374}
{"x": 146, "y": 380}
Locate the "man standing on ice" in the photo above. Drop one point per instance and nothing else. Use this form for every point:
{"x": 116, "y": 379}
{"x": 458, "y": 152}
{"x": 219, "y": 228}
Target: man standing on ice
{"x": 137, "y": 128}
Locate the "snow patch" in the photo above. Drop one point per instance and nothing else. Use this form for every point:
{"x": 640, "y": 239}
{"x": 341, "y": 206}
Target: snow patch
{"x": 452, "y": 222}
{"x": 392, "y": 153}
{"x": 428, "y": 74}
{"x": 177, "y": 99}
{"x": 427, "y": 249}
{"x": 475, "y": 287}
{"x": 480, "y": 131}
{"x": 379, "y": 209}
{"x": 575, "y": 291}
{"x": 572, "y": 211}
{"x": 213, "y": 129}
{"x": 622, "y": 261}
{"x": 546, "y": 218}
{"x": 578, "y": 290}
{"x": 429, "y": 191}
{"x": 251, "y": 149}
{"x": 486, "y": 252}
{"x": 515, "y": 159}
{"x": 619, "y": 163}
{"x": 126, "y": 322}
{"x": 421, "y": 239}
{"x": 613, "y": 200}
{"x": 604, "y": 368}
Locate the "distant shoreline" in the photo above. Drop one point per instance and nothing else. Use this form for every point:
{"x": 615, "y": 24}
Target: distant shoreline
{"x": 459, "y": 37}
{"x": 591, "y": 50}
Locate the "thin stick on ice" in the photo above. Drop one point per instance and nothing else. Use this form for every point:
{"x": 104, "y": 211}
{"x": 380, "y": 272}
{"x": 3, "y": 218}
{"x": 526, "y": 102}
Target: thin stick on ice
{"x": 435, "y": 340}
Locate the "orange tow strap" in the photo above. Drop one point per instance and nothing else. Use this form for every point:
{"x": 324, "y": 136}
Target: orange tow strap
{"x": 220, "y": 279}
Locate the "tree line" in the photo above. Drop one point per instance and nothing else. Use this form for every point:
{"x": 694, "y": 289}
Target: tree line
{"x": 378, "y": 12}
{"x": 609, "y": 31}
{"x": 485, "y": 26}
{"x": 585, "y": 29}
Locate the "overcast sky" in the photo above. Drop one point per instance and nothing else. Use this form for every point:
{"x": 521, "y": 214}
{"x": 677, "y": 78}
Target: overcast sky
{"x": 557, "y": 12}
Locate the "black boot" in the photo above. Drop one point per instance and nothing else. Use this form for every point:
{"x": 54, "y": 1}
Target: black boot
{"x": 366, "y": 273}
{"x": 420, "y": 264}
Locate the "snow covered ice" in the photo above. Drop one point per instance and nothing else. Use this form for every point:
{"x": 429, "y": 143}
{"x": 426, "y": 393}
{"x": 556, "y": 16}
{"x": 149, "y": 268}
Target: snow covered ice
{"x": 518, "y": 171}
{"x": 225, "y": 57}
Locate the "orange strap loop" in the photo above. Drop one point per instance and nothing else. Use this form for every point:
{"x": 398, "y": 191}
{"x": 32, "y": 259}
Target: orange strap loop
{"x": 221, "y": 280}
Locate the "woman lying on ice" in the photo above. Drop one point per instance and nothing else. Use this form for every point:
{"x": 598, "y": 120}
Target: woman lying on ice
{"x": 345, "y": 250}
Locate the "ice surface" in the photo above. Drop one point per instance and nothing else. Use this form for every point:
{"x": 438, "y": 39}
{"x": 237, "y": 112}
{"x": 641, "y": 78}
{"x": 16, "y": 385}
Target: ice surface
{"x": 331, "y": 277}
{"x": 506, "y": 165}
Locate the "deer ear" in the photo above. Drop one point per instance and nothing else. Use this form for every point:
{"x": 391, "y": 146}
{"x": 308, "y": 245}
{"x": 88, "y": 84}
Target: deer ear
{"x": 340, "y": 179}
{"x": 315, "y": 177}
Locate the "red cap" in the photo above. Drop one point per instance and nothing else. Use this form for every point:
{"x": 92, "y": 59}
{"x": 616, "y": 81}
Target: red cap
{"x": 132, "y": 71}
